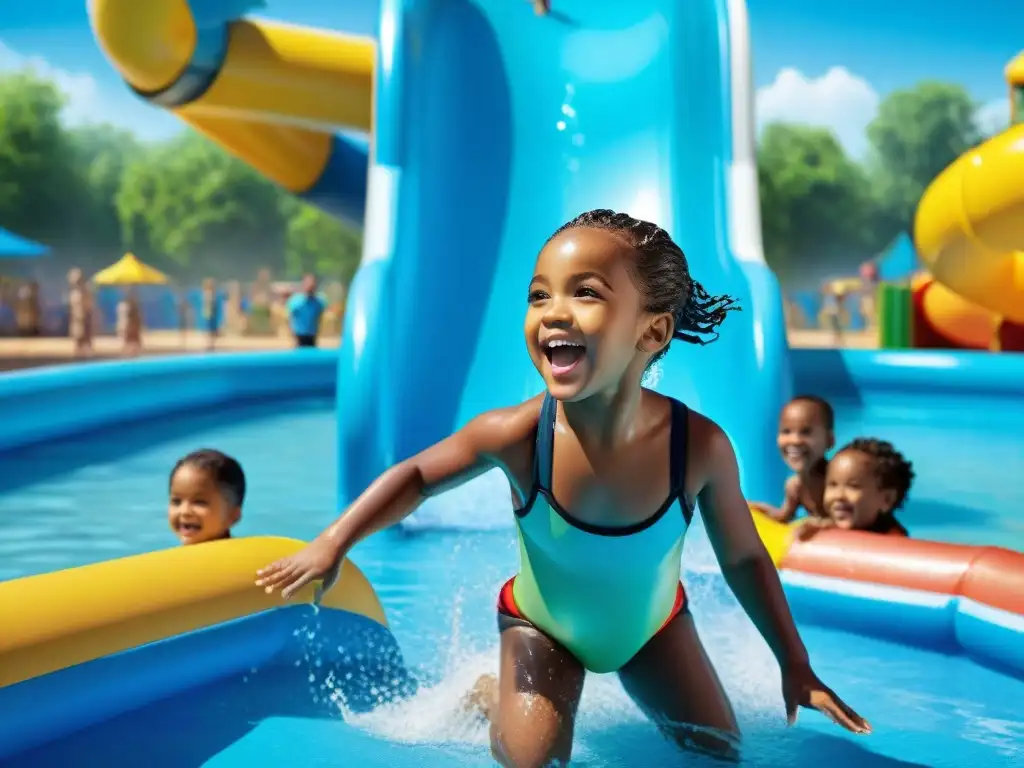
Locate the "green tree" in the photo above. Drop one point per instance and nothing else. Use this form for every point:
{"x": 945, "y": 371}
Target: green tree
{"x": 815, "y": 204}
{"x": 188, "y": 203}
{"x": 101, "y": 155}
{"x": 916, "y": 134}
{"x": 38, "y": 181}
{"x": 319, "y": 243}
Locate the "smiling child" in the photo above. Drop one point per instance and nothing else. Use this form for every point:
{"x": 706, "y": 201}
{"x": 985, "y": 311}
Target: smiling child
{"x": 207, "y": 488}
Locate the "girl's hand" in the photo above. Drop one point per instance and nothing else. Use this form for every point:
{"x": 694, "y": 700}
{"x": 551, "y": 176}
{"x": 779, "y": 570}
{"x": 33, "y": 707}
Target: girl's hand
{"x": 802, "y": 688}
{"x": 810, "y": 526}
{"x": 319, "y": 559}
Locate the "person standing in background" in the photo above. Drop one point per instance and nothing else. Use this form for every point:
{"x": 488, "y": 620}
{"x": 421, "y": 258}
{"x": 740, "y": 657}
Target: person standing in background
{"x": 305, "y": 309}
{"x": 184, "y": 316}
{"x": 28, "y": 312}
{"x": 211, "y": 313}
{"x": 80, "y": 313}
{"x": 129, "y": 323}
{"x": 870, "y": 280}
{"x": 833, "y": 312}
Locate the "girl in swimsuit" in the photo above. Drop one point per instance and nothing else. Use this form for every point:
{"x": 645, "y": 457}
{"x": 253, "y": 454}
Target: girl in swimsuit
{"x": 605, "y": 475}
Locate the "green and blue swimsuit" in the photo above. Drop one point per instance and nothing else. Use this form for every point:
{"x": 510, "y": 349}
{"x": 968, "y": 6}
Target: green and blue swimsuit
{"x": 599, "y": 591}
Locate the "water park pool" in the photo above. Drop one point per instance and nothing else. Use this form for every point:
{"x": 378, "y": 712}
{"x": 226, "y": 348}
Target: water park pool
{"x": 491, "y": 127}
{"x": 102, "y": 495}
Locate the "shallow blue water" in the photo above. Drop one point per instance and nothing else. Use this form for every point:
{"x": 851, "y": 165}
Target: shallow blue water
{"x": 104, "y": 496}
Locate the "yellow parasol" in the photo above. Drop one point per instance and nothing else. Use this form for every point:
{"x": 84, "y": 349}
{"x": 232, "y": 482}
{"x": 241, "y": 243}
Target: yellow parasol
{"x": 128, "y": 270}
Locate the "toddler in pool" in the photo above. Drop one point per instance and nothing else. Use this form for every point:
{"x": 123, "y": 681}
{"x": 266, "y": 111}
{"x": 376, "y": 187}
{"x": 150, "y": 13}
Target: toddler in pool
{"x": 206, "y": 488}
{"x": 866, "y": 481}
{"x": 805, "y": 435}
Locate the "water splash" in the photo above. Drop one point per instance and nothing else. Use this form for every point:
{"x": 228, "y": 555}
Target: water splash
{"x": 568, "y": 125}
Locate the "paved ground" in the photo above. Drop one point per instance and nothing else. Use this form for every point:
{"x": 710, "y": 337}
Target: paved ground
{"x": 816, "y": 338}
{"x": 29, "y": 353}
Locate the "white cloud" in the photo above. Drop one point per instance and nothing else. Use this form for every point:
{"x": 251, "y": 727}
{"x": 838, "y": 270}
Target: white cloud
{"x": 994, "y": 117}
{"x": 80, "y": 88}
{"x": 839, "y": 100}
{"x": 88, "y": 102}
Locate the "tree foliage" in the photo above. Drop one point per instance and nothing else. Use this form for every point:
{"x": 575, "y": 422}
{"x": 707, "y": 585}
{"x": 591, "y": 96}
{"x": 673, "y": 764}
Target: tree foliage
{"x": 37, "y": 169}
{"x": 321, "y": 244}
{"x": 823, "y": 212}
{"x": 815, "y": 202}
{"x": 196, "y": 207}
{"x": 91, "y": 193}
{"x": 916, "y": 134}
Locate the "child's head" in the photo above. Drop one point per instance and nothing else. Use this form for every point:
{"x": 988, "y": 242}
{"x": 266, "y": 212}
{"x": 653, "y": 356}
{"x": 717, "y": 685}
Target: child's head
{"x": 867, "y": 478}
{"x": 608, "y": 295}
{"x": 207, "y": 489}
{"x": 806, "y": 434}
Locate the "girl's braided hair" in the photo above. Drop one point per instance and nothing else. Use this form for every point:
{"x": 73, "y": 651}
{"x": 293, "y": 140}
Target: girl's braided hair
{"x": 663, "y": 276}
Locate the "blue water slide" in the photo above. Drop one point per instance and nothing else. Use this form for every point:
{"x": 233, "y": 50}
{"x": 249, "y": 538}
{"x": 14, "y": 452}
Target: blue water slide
{"x": 495, "y": 126}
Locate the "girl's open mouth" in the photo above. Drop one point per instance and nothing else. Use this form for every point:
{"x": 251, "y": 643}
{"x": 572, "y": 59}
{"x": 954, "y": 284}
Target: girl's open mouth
{"x": 563, "y": 355}
{"x": 842, "y": 513}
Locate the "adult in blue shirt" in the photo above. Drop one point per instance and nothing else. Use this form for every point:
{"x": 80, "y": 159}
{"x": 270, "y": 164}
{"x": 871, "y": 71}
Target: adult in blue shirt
{"x": 305, "y": 309}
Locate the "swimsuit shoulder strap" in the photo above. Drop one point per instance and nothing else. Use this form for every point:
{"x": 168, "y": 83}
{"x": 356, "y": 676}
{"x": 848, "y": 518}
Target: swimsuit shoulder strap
{"x": 680, "y": 440}
{"x": 543, "y": 454}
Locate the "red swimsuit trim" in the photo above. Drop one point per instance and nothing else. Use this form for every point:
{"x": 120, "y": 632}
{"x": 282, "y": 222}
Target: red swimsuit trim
{"x": 507, "y": 604}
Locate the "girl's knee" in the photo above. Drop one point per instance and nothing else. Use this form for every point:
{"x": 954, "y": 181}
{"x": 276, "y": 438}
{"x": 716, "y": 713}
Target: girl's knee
{"x": 723, "y": 742}
{"x": 528, "y": 732}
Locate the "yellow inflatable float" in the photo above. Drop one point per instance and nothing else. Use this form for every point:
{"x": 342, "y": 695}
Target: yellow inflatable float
{"x": 85, "y": 645}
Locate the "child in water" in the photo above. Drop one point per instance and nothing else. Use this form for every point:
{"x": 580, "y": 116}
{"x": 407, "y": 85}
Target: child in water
{"x": 206, "y": 491}
{"x": 806, "y": 434}
{"x": 866, "y": 481}
{"x": 605, "y": 476}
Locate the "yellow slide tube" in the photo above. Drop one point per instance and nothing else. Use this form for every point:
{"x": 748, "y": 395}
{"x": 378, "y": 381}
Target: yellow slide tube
{"x": 969, "y": 228}
{"x": 278, "y": 96}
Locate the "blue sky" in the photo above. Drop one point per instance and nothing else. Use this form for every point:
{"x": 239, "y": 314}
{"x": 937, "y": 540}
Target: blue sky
{"x": 820, "y": 61}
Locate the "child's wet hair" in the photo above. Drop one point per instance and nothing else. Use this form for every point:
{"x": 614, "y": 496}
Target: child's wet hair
{"x": 828, "y": 414}
{"x": 892, "y": 469}
{"x": 225, "y": 470}
{"x": 661, "y": 273}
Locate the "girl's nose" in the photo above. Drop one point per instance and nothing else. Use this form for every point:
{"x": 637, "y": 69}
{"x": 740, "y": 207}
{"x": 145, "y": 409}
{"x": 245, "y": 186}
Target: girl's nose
{"x": 557, "y": 313}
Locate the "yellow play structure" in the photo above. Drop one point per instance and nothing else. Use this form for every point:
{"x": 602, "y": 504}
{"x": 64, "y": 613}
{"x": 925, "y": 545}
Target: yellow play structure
{"x": 969, "y": 233}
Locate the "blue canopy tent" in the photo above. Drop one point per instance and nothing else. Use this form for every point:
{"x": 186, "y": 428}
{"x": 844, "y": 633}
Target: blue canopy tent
{"x": 899, "y": 261}
{"x": 14, "y": 247}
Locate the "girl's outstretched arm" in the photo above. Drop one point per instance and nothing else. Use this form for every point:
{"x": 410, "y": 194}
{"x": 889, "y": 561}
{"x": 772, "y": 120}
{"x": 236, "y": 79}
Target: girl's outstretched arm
{"x": 745, "y": 562}
{"x": 494, "y": 439}
{"x": 752, "y": 577}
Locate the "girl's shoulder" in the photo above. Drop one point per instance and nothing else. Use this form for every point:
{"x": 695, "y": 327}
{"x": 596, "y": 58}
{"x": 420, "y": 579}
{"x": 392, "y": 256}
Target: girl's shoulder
{"x": 506, "y": 428}
{"x": 709, "y": 451}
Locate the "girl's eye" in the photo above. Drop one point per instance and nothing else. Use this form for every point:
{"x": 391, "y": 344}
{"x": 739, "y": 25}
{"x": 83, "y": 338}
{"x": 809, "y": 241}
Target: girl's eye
{"x": 588, "y": 292}
{"x": 535, "y": 296}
